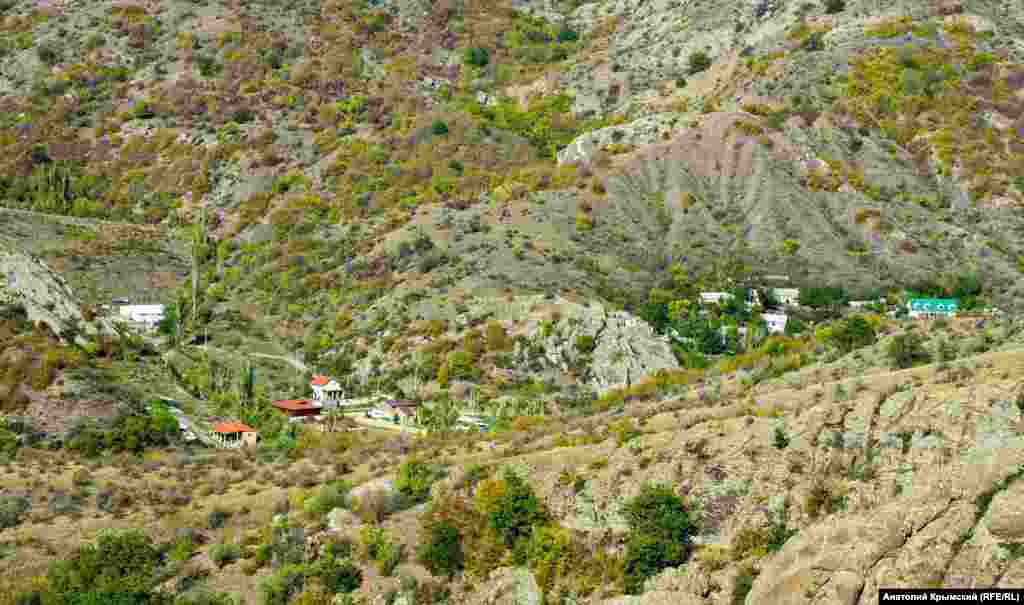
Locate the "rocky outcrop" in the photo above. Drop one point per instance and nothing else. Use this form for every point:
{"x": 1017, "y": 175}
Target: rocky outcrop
{"x": 508, "y": 586}
{"x": 639, "y": 133}
{"x": 610, "y": 350}
{"x": 46, "y": 298}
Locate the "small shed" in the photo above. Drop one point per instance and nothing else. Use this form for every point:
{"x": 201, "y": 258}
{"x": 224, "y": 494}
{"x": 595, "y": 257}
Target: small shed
{"x": 235, "y": 434}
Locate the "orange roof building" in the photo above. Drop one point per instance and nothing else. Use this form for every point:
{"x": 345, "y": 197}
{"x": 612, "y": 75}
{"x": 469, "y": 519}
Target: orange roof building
{"x": 226, "y": 428}
{"x": 234, "y": 434}
{"x": 320, "y": 380}
{"x": 297, "y": 408}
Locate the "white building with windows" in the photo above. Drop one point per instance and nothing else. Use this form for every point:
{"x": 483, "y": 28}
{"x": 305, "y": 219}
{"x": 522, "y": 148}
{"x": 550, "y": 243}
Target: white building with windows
{"x": 776, "y": 322}
{"x": 148, "y": 315}
{"x": 714, "y": 297}
{"x": 326, "y": 391}
{"x": 787, "y": 296}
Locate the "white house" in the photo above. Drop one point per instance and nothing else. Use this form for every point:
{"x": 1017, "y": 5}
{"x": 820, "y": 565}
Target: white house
{"x": 776, "y": 322}
{"x": 714, "y": 297}
{"x": 787, "y": 296}
{"x": 150, "y": 315}
{"x": 326, "y": 391}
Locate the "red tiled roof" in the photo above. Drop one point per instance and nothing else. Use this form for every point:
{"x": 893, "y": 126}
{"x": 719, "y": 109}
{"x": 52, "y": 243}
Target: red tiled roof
{"x": 295, "y": 404}
{"x": 320, "y": 380}
{"x": 232, "y": 427}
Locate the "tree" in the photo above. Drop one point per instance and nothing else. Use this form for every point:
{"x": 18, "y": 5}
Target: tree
{"x": 833, "y": 7}
{"x": 514, "y": 510}
{"x": 441, "y": 553}
{"x": 414, "y": 480}
{"x": 119, "y": 562}
{"x": 660, "y": 534}
{"x": 697, "y": 62}
{"x": 907, "y": 350}
{"x": 476, "y": 56}
{"x": 336, "y": 574}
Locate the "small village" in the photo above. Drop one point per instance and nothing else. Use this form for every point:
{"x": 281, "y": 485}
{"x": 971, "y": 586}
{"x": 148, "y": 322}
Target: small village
{"x": 328, "y": 406}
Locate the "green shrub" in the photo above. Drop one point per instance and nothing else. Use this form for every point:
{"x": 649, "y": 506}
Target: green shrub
{"x": 585, "y": 344}
{"x": 907, "y": 350}
{"x": 183, "y": 549}
{"x": 659, "y": 537}
{"x": 476, "y": 56}
{"x": 515, "y": 510}
{"x": 779, "y": 439}
{"x": 329, "y": 497}
{"x": 744, "y": 583}
{"x": 624, "y": 431}
{"x": 377, "y": 548}
{"x": 439, "y": 128}
{"x": 216, "y": 518}
{"x": 833, "y": 7}
{"x": 8, "y": 442}
{"x": 119, "y": 562}
{"x": 441, "y": 551}
{"x": 12, "y": 509}
{"x": 697, "y": 62}
{"x": 546, "y": 554}
{"x": 814, "y": 42}
{"x": 279, "y": 587}
{"x": 414, "y": 480}
{"x": 224, "y": 553}
{"x": 48, "y": 54}
{"x": 336, "y": 574}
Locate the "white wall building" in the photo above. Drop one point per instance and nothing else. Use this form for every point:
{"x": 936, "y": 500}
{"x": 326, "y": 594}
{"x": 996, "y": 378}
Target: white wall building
{"x": 776, "y": 322}
{"x": 714, "y": 297}
{"x": 149, "y": 315}
{"x": 860, "y": 304}
{"x": 787, "y": 296}
{"x": 326, "y": 391}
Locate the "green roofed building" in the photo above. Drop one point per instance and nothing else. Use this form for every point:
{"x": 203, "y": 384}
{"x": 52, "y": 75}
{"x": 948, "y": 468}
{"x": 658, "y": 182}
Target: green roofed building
{"x": 933, "y": 307}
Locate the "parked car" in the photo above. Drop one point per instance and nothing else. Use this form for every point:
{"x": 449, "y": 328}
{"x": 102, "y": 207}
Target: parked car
{"x": 189, "y": 436}
{"x": 378, "y": 415}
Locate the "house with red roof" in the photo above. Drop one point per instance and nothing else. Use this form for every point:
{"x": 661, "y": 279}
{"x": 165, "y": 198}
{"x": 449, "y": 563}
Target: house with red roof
{"x": 298, "y": 408}
{"x": 326, "y": 391}
{"x": 235, "y": 434}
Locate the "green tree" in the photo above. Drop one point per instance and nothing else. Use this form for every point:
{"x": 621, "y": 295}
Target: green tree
{"x": 119, "y": 562}
{"x": 282, "y": 585}
{"x": 476, "y": 56}
{"x": 697, "y": 62}
{"x": 515, "y": 511}
{"x": 660, "y": 534}
{"x": 441, "y": 552}
{"x": 907, "y": 350}
{"x": 414, "y": 480}
{"x": 336, "y": 574}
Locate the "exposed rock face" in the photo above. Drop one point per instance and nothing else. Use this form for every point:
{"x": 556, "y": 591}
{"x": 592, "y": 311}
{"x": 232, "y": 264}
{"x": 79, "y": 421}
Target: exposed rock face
{"x": 509, "y": 586}
{"x": 611, "y": 349}
{"x": 645, "y": 131}
{"x": 46, "y": 297}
